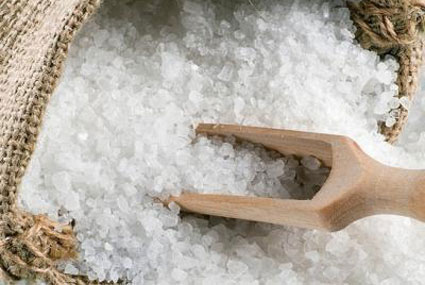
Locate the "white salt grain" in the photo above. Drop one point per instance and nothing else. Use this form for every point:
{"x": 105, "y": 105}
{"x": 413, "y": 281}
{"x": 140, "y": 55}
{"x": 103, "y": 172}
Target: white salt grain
{"x": 70, "y": 269}
{"x": 390, "y": 121}
{"x": 310, "y": 162}
{"x": 239, "y": 105}
{"x": 174, "y": 207}
{"x": 72, "y": 201}
{"x": 226, "y": 72}
{"x": 394, "y": 103}
{"x": 179, "y": 275}
{"x": 276, "y": 169}
{"x": 108, "y": 246}
{"x": 405, "y": 102}
{"x": 236, "y": 267}
{"x": 127, "y": 263}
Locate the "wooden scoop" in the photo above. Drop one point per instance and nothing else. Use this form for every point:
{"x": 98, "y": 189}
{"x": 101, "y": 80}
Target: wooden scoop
{"x": 358, "y": 186}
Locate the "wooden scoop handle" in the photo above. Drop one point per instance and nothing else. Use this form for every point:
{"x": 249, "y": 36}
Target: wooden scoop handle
{"x": 391, "y": 190}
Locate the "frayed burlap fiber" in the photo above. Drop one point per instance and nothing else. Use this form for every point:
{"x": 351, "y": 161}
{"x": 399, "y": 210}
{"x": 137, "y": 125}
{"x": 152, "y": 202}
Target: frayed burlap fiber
{"x": 34, "y": 39}
{"x": 394, "y": 27}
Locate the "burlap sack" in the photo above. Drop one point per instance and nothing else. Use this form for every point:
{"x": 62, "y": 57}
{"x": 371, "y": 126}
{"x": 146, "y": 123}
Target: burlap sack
{"x": 394, "y": 27}
{"x": 34, "y": 39}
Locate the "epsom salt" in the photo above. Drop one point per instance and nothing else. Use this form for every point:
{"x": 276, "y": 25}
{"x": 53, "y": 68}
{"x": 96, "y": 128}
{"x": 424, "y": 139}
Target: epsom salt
{"x": 119, "y": 133}
{"x": 251, "y": 170}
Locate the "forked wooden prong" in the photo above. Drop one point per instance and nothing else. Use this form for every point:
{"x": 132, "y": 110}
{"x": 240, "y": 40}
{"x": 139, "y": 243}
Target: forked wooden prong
{"x": 358, "y": 186}
{"x": 300, "y": 213}
{"x": 284, "y": 141}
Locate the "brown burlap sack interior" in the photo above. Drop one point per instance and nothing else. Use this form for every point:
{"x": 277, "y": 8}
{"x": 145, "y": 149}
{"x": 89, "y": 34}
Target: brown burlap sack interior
{"x": 34, "y": 39}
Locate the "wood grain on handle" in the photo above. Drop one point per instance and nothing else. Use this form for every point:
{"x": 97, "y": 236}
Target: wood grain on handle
{"x": 357, "y": 187}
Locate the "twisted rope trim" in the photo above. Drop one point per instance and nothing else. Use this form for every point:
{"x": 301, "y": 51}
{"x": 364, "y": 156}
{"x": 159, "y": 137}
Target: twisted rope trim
{"x": 33, "y": 252}
{"x": 31, "y": 245}
{"x": 394, "y": 27}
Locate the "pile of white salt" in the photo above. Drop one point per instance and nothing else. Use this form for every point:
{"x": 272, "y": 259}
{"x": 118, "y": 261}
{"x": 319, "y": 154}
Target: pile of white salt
{"x": 119, "y": 132}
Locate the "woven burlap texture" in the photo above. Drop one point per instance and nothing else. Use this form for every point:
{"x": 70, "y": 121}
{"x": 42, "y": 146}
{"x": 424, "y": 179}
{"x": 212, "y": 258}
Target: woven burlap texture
{"x": 393, "y": 27}
{"x": 34, "y": 39}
